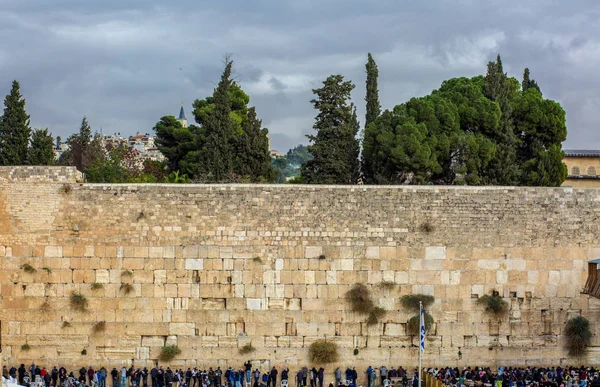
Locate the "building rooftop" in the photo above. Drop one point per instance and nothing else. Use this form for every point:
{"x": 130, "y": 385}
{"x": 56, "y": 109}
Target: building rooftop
{"x": 582, "y": 152}
{"x": 181, "y": 113}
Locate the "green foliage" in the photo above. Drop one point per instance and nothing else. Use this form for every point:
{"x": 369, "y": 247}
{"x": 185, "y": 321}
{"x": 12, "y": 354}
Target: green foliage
{"x": 372, "y": 95}
{"x": 97, "y": 286}
{"x": 252, "y": 158}
{"x": 355, "y": 352}
{"x": 296, "y": 180}
{"x": 47, "y": 270}
{"x": 98, "y": 327}
{"x": 126, "y": 288}
{"x": 41, "y": 151}
{"x": 84, "y": 352}
{"x": 414, "y": 323}
{"x": 66, "y": 188}
{"x": 78, "y": 302}
{"x": 411, "y": 301}
{"x": 246, "y": 349}
{"x": 176, "y": 178}
{"x": 25, "y": 347}
{"x": 66, "y": 324}
{"x": 229, "y": 143}
{"x": 487, "y": 130}
{"x": 119, "y": 167}
{"x": 14, "y": 129}
{"x": 83, "y": 150}
{"x": 168, "y": 353}
{"x": 360, "y": 300}
{"x": 178, "y": 144}
{"x": 335, "y": 148}
{"x": 27, "y": 268}
{"x": 375, "y": 315}
{"x": 493, "y": 303}
{"x": 528, "y": 83}
{"x": 257, "y": 260}
{"x": 288, "y": 166}
{"x": 577, "y": 336}
{"x": 298, "y": 155}
{"x": 323, "y": 352}
{"x": 216, "y": 156}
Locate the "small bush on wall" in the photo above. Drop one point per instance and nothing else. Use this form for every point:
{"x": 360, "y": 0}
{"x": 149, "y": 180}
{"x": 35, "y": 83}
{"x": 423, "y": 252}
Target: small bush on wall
{"x": 168, "y": 353}
{"x": 577, "y": 336}
{"x": 494, "y": 303}
{"x": 323, "y": 352}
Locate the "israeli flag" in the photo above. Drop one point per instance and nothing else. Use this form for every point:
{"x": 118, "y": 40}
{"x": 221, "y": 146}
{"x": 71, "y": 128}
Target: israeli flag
{"x": 422, "y": 336}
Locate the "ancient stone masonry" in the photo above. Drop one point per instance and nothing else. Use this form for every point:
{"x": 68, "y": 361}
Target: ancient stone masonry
{"x": 211, "y": 268}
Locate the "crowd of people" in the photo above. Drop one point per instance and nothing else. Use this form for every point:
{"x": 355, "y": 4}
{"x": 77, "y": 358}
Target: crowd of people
{"x": 518, "y": 376}
{"x": 305, "y": 377}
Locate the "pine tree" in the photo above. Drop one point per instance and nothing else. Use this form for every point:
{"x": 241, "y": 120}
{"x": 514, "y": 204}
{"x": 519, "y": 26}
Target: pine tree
{"x": 217, "y": 155}
{"x": 372, "y": 96}
{"x": 335, "y": 146}
{"x": 41, "y": 152}
{"x": 14, "y": 129}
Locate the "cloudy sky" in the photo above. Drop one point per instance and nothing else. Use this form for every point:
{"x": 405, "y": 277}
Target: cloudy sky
{"x": 126, "y": 63}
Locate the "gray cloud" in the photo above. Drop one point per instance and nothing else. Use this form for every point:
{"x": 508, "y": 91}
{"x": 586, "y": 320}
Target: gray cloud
{"x": 126, "y": 64}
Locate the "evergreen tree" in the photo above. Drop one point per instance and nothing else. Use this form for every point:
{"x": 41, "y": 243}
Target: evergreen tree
{"x": 335, "y": 146}
{"x": 372, "y": 96}
{"x": 252, "y": 160}
{"x": 41, "y": 151}
{"x": 529, "y": 83}
{"x": 217, "y": 155}
{"x": 14, "y": 129}
{"x": 79, "y": 145}
{"x": 499, "y": 88}
{"x": 179, "y": 145}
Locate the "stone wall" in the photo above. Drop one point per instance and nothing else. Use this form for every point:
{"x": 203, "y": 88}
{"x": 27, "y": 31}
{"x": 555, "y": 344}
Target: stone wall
{"x": 213, "y": 268}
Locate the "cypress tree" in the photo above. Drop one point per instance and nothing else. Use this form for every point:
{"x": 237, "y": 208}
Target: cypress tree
{"x": 252, "y": 158}
{"x": 335, "y": 146}
{"x": 80, "y": 146}
{"x": 372, "y": 96}
{"x": 41, "y": 152}
{"x": 503, "y": 169}
{"x": 529, "y": 83}
{"x": 14, "y": 129}
{"x": 217, "y": 156}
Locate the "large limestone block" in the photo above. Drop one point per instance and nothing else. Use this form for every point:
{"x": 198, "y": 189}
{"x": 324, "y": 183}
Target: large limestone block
{"x": 194, "y": 264}
{"x": 254, "y": 303}
{"x": 53, "y": 251}
{"x": 313, "y": 251}
{"x": 435, "y": 252}
{"x": 182, "y": 329}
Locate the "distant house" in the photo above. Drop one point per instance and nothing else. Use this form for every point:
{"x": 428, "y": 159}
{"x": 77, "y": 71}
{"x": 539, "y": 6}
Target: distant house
{"x": 583, "y": 168}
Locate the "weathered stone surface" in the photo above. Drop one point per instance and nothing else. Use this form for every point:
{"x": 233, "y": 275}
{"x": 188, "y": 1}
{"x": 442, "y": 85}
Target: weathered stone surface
{"x": 197, "y": 285}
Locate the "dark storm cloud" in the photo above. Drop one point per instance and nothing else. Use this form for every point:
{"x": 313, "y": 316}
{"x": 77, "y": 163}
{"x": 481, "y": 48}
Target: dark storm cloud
{"x": 127, "y": 63}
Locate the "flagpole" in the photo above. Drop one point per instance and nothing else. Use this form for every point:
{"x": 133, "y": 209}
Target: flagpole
{"x": 421, "y": 322}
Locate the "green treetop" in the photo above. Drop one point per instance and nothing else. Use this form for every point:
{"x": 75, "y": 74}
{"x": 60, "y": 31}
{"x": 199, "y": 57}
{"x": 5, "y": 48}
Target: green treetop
{"x": 335, "y": 147}
{"x": 41, "y": 151}
{"x": 372, "y": 96}
{"x": 14, "y": 129}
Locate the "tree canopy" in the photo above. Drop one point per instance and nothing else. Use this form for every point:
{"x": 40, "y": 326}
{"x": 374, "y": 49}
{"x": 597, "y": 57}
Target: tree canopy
{"x": 483, "y": 130}
{"x": 228, "y": 144}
